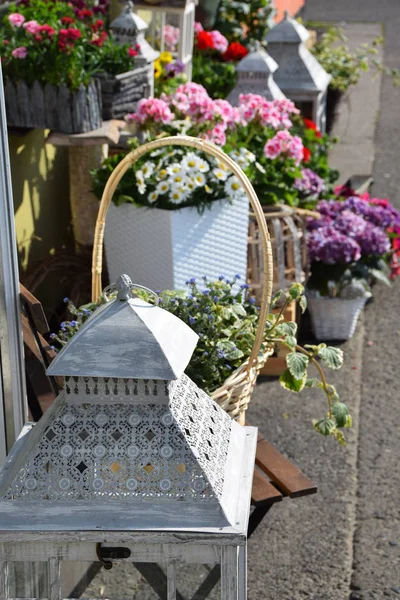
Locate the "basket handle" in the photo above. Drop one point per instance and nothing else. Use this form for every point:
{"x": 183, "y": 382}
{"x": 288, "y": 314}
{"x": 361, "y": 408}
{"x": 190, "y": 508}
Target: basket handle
{"x": 207, "y": 148}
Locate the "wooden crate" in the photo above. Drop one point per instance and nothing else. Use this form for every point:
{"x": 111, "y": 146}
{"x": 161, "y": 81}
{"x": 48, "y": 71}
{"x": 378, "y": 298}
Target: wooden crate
{"x": 276, "y": 363}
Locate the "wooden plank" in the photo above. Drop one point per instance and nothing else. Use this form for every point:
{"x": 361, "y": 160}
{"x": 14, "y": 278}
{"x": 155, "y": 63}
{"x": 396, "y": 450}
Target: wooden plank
{"x": 35, "y": 309}
{"x": 276, "y": 364}
{"x": 171, "y": 581}
{"x": 229, "y": 573}
{"x": 285, "y": 475}
{"x": 263, "y": 492}
{"x": 54, "y": 574}
{"x": 108, "y": 133}
{"x": 3, "y": 579}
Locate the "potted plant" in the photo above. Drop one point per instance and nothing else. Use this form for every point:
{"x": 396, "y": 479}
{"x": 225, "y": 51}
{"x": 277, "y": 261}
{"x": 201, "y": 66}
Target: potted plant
{"x": 225, "y": 318}
{"x": 51, "y": 52}
{"x": 349, "y": 248}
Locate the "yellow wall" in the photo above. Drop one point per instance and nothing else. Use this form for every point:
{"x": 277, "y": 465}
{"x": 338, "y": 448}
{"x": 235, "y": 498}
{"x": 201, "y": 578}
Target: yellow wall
{"x": 41, "y": 197}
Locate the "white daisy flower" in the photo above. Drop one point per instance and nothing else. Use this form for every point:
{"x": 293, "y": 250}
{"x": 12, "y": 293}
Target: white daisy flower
{"x": 249, "y": 156}
{"x": 163, "y": 187}
{"x": 220, "y": 174}
{"x": 153, "y": 197}
{"x": 177, "y": 196}
{"x": 191, "y": 161}
{"x": 199, "y": 180}
{"x": 179, "y": 178}
{"x": 190, "y": 184}
{"x": 174, "y": 168}
{"x": 233, "y": 187}
{"x": 203, "y": 166}
{"x": 141, "y": 188}
{"x": 161, "y": 174}
{"x": 235, "y": 154}
{"x": 139, "y": 178}
{"x": 148, "y": 169}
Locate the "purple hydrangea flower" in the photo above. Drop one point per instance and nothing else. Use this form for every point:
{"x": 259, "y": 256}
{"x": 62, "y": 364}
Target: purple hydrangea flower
{"x": 310, "y": 183}
{"x": 329, "y": 246}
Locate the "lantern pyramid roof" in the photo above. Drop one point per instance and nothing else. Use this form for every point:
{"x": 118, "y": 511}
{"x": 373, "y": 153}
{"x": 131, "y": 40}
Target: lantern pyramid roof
{"x": 128, "y": 20}
{"x": 298, "y": 69}
{"x": 258, "y": 61}
{"x": 129, "y": 448}
{"x": 128, "y": 339}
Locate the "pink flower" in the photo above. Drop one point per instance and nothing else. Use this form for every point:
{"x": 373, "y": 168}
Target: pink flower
{"x": 272, "y": 148}
{"x": 32, "y": 27}
{"x": 171, "y": 37}
{"x": 16, "y": 19}
{"x": 198, "y": 27}
{"x": 217, "y": 135}
{"x": 219, "y": 41}
{"x": 284, "y": 143}
{"x": 20, "y": 52}
{"x": 151, "y": 109}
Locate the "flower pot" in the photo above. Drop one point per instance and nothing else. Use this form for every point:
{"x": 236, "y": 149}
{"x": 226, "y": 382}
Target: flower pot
{"x": 162, "y": 249}
{"x": 120, "y": 93}
{"x": 335, "y": 318}
{"x": 49, "y": 107}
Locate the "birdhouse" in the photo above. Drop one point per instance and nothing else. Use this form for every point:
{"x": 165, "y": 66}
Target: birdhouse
{"x": 179, "y": 13}
{"x": 129, "y": 28}
{"x": 256, "y": 76}
{"x": 300, "y": 76}
{"x": 132, "y": 463}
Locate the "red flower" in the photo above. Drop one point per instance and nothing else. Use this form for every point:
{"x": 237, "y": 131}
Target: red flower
{"x": 132, "y": 52}
{"x": 98, "y": 39}
{"x": 85, "y": 13}
{"x": 5, "y": 42}
{"x": 235, "y": 52}
{"x": 306, "y": 154}
{"x": 67, "y": 20}
{"x": 47, "y": 30}
{"x": 311, "y": 125}
{"x": 97, "y": 25}
{"x": 204, "y": 40}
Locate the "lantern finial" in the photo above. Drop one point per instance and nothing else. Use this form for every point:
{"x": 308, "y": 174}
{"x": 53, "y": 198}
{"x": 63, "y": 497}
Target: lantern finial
{"x": 123, "y": 286}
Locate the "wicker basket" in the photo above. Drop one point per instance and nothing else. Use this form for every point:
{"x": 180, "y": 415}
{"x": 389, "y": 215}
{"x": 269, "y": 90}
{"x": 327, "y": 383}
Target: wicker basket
{"x": 335, "y": 318}
{"x": 289, "y": 248}
{"x": 234, "y": 395}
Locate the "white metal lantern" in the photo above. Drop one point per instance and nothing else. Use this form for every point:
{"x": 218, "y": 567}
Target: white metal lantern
{"x": 256, "y": 76}
{"x": 132, "y": 455}
{"x": 300, "y": 76}
{"x": 129, "y": 28}
{"x": 172, "y": 12}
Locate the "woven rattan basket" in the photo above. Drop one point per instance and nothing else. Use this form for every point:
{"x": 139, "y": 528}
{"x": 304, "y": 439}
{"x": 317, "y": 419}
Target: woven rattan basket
{"x": 234, "y": 395}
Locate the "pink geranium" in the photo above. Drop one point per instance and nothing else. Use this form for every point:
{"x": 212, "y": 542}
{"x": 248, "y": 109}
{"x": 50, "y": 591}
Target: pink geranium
{"x": 152, "y": 109}
{"x": 219, "y": 41}
{"x": 19, "y": 52}
{"x": 198, "y": 27}
{"x": 283, "y": 143}
{"x": 32, "y": 27}
{"x": 171, "y": 37}
{"x": 16, "y": 19}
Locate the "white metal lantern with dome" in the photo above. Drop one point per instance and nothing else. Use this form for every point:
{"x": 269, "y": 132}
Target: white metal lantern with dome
{"x": 300, "y": 76}
{"x": 132, "y": 461}
{"x": 179, "y": 13}
{"x": 256, "y": 76}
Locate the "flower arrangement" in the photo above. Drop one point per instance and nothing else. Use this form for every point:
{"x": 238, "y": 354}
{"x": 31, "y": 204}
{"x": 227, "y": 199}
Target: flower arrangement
{"x": 226, "y": 321}
{"x": 214, "y": 58}
{"x": 168, "y": 73}
{"x": 246, "y": 22}
{"x": 171, "y": 180}
{"x": 356, "y": 238}
{"x": 60, "y": 43}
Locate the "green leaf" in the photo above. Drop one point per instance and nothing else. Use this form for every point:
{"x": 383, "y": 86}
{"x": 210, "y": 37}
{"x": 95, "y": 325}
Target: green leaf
{"x": 291, "y": 341}
{"x": 380, "y": 276}
{"x": 297, "y": 364}
{"x": 333, "y": 392}
{"x": 311, "y": 382}
{"x": 324, "y": 426}
{"x": 349, "y": 421}
{"x": 332, "y": 357}
{"x": 296, "y": 290}
{"x": 239, "y": 310}
{"x": 303, "y": 304}
{"x": 287, "y": 328}
{"x": 288, "y": 382}
{"x": 340, "y": 412}
{"x": 226, "y": 313}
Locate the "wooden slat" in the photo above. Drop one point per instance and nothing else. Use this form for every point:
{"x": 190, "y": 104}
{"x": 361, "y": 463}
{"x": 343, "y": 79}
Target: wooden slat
{"x": 286, "y": 476}
{"x": 35, "y": 309}
{"x": 263, "y": 492}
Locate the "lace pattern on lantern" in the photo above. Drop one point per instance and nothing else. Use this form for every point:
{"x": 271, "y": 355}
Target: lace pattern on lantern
{"x": 104, "y": 389}
{"x": 124, "y": 451}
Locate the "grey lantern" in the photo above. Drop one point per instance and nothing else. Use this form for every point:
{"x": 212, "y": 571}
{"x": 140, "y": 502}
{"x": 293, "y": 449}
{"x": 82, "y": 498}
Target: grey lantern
{"x": 132, "y": 462}
{"x": 300, "y": 76}
{"x": 129, "y": 28}
{"x": 179, "y": 13}
{"x": 256, "y": 76}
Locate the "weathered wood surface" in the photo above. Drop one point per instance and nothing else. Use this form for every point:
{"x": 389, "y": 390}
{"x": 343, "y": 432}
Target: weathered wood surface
{"x": 49, "y": 107}
{"x": 108, "y": 133}
{"x": 120, "y": 93}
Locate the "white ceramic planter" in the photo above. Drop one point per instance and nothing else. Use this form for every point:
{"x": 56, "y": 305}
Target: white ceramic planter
{"x": 335, "y": 318}
{"x": 162, "y": 249}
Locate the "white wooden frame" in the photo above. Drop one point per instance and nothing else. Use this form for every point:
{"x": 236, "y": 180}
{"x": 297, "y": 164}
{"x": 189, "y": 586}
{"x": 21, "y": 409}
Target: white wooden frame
{"x": 13, "y": 404}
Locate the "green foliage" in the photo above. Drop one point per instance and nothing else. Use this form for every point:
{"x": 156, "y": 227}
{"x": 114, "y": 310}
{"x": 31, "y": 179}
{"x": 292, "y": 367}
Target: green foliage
{"x": 226, "y": 318}
{"x": 345, "y": 65}
{"x": 244, "y": 22}
{"x": 73, "y": 46}
{"x": 217, "y": 76}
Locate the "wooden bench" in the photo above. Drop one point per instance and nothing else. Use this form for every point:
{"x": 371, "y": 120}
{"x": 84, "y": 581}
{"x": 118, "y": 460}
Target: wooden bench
{"x": 275, "y": 477}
